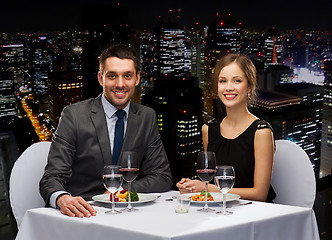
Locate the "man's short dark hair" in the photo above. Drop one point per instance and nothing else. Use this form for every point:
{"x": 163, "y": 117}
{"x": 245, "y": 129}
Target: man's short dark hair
{"x": 121, "y": 51}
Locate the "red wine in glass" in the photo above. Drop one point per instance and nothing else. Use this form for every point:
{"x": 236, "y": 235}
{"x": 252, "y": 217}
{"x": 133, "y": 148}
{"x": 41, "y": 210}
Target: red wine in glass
{"x": 206, "y": 175}
{"x": 206, "y": 168}
{"x": 129, "y": 170}
{"x": 129, "y": 174}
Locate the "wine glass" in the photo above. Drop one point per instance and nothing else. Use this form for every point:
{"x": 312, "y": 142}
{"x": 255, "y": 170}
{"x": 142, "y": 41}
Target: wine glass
{"x": 224, "y": 179}
{"x": 205, "y": 168}
{"x": 112, "y": 179}
{"x": 129, "y": 170}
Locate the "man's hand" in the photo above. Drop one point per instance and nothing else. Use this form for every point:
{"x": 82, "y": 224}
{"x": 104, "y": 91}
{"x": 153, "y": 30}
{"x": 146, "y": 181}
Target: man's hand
{"x": 75, "y": 206}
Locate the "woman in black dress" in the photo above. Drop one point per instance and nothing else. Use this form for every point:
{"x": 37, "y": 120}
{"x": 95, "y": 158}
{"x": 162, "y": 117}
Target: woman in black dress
{"x": 240, "y": 139}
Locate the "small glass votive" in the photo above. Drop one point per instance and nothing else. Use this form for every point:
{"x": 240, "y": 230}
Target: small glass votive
{"x": 181, "y": 204}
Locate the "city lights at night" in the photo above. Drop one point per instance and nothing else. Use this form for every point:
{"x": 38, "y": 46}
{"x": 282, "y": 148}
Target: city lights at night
{"x": 49, "y": 59}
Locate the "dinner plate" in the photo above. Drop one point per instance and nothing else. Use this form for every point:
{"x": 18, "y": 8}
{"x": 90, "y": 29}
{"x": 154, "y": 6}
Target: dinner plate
{"x": 217, "y": 197}
{"x": 143, "y": 198}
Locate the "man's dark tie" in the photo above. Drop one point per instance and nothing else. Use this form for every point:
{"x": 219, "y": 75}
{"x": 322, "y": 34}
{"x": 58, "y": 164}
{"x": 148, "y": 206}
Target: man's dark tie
{"x": 118, "y": 136}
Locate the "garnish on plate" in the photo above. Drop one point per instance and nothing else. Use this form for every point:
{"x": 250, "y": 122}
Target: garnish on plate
{"x": 201, "y": 197}
{"x": 122, "y": 196}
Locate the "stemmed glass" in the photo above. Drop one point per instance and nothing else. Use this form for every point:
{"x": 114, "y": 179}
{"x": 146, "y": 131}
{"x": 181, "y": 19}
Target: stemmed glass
{"x": 224, "y": 180}
{"x": 129, "y": 170}
{"x": 112, "y": 179}
{"x": 205, "y": 168}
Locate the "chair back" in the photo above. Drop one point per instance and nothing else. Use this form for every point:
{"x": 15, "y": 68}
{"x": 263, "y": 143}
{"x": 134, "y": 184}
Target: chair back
{"x": 293, "y": 177}
{"x": 24, "y": 180}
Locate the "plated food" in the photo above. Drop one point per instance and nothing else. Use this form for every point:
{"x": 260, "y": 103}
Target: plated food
{"x": 217, "y": 197}
{"x": 201, "y": 197}
{"x": 122, "y": 196}
{"x": 143, "y": 198}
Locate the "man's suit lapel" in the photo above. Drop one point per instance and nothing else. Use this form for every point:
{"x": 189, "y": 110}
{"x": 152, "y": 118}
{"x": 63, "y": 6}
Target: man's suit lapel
{"x": 99, "y": 122}
{"x": 131, "y": 127}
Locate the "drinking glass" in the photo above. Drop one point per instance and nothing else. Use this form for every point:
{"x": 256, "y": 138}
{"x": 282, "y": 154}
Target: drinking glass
{"x": 224, "y": 180}
{"x": 112, "y": 179}
{"x": 129, "y": 170}
{"x": 205, "y": 168}
{"x": 182, "y": 203}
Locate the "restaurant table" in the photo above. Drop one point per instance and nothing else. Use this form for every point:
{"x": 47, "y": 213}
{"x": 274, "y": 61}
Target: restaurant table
{"x": 158, "y": 220}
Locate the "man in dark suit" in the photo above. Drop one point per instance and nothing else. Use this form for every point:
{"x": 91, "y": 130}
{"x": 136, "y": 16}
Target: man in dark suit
{"x": 84, "y": 139}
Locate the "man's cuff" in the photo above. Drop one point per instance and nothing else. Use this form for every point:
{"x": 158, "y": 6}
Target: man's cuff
{"x": 54, "y": 197}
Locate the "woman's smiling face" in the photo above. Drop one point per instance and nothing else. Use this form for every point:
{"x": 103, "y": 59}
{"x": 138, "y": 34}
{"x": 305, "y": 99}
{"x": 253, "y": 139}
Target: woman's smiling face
{"x": 232, "y": 85}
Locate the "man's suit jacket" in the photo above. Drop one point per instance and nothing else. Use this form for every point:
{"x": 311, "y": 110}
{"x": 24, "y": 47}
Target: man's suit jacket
{"x": 81, "y": 148}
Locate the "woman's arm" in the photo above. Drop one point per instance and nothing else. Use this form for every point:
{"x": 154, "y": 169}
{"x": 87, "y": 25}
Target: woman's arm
{"x": 264, "y": 154}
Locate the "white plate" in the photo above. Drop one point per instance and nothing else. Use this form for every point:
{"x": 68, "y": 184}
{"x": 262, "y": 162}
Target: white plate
{"x": 143, "y": 198}
{"x": 216, "y": 196}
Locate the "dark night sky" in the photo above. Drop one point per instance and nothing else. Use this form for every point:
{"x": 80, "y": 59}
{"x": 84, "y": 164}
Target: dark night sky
{"x": 42, "y": 15}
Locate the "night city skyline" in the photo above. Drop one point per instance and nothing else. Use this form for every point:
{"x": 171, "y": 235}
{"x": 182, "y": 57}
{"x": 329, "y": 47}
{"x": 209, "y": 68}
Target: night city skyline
{"x": 49, "y": 59}
{"x": 42, "y": 16}
{"x": 36, "y": 62}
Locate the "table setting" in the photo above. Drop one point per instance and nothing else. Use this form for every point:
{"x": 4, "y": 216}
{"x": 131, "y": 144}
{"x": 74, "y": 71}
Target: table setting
{"x": 113, "y": 176}
{"x": 158, "y": 219}
{"x": 171, "y": 215}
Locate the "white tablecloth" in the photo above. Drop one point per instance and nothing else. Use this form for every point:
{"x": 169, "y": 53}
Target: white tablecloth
{"x": 158, "y": 220}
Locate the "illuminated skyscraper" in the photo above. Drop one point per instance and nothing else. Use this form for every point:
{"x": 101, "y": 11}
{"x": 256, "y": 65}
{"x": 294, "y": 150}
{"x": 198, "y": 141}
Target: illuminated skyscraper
{"x": 188, "y": 139}
{"x": 312, "y": 96}
{"x": 273, "y": 47}
{"x": 252, "y": 44}
{"x": 224, "y": 35}
{"x": 12, "y": 66}
{"x": 173, "y": 52}
{"x": 41, "y": 57}
{"x": 13, "y": 59}
{"x": 8, "y": 106}
{"x": 326, "y": 150}
{"x": 198, "y": 45}
{"x": 290, "y": 119}
{"x": 148, "y": 62}
{"x": 65, "y": 88}
{"x": 210, "y": 87}
{"x": 68, "y": 51}
{"x": 179, "y": 114}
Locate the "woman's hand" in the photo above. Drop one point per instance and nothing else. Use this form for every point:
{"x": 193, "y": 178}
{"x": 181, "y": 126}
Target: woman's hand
{"x": 186, "y": 185}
